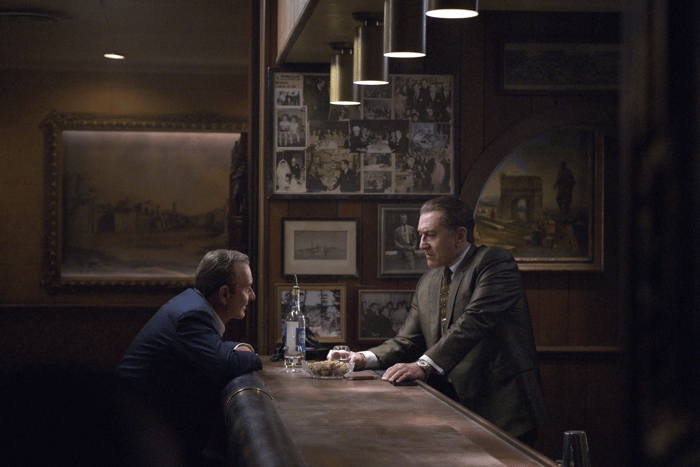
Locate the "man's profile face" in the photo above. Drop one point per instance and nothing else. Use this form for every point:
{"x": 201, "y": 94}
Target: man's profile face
{"x": 441, "y": 248}
{"x": 243, "y": 294}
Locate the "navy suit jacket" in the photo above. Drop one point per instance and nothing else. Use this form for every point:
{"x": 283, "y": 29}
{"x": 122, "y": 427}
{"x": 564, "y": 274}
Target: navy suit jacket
{"x": 488, "y": 351}
{"x": 179, "y": 362}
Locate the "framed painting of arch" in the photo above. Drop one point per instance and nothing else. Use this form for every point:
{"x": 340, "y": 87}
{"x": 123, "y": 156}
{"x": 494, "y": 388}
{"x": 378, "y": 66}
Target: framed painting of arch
{"x": 544, "y": 201}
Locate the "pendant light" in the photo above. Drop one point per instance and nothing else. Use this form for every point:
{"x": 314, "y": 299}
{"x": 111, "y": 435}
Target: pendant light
{"x": 453, "y": 9}
{"x": 404, "y": 28}
{"x": 370, "y": 66}
{"x": 342, "y": 90}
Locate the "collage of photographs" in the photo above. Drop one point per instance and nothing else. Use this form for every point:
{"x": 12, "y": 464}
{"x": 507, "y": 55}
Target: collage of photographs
{"x": 398, "y": 141}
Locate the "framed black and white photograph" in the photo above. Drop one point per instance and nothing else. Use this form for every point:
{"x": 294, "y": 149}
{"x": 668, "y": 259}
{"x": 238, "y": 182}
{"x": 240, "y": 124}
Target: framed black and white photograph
{"x": 399, "y": 242}
{"x": 320, "y": 247}
{"x": 400, "y": 140}
{"x": 381, "y": 313}
{"x": 324, "y": 306}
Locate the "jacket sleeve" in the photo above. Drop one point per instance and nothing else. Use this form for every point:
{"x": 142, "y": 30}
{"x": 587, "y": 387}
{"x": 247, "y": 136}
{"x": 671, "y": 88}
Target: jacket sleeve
{"x": 409, "y": 343}
{"x": 203, "y": 346}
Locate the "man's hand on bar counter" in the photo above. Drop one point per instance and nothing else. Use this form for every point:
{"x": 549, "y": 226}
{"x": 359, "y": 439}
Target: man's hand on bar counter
{"x": 396, "y": 374}
{"x": 405, "y": 372}
{"x": 346, "y": 356}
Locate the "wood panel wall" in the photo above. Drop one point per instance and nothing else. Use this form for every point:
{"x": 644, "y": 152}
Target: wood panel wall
{"x": 576, "y": 315}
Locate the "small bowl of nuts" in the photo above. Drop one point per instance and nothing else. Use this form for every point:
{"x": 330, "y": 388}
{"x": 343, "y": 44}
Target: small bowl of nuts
{"x": 328, "y": 369}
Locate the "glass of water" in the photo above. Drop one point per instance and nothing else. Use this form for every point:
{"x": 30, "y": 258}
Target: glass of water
{"x": 341, "y": 353}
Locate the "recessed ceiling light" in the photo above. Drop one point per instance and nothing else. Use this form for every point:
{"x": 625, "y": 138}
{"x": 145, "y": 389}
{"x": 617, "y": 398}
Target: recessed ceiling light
{"x": 114, "y": 56}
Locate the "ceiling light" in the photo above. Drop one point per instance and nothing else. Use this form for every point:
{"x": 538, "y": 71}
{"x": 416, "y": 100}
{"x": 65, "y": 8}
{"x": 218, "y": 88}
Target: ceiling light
{"x": 453, "y": 9}
{"x": 342, "y": 89}
{"x": 404, "y": 28}
{"x": 370, "y": 66}
{"x": 114, "y": 56}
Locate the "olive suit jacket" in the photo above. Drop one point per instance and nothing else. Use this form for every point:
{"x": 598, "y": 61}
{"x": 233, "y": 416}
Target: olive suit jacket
{"x": 488, "y": 350}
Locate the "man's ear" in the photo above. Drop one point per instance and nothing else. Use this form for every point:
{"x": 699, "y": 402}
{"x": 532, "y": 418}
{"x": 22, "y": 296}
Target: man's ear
{"x": 461, "y": 237}
{"x": 223, "y": 294}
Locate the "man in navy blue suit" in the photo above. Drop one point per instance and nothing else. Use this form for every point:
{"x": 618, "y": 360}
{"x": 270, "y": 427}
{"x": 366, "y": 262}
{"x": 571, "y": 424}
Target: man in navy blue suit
{"x": 179, "y": 360}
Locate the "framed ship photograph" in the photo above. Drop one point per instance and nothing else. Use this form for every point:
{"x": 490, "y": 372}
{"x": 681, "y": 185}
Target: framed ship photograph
{"x": 400, "y": 141}
{"x": 320, "y": 247}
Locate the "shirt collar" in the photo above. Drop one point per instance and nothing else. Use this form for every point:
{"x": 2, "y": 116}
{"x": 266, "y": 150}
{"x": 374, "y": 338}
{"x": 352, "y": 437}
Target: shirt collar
{"x": 219, "y": 324}
{"x": 454, "y": 265}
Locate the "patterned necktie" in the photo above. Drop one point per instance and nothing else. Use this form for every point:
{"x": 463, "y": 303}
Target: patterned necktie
{"x": 444, "y": 290}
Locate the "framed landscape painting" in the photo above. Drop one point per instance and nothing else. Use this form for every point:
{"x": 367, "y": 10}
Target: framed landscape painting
{"x": 544, "y": 202}
{"x": 135, "y": 201}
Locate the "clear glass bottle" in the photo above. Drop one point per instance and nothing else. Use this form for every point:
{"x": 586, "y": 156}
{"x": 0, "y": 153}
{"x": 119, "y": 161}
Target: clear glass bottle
{"x": 295, "y": 335}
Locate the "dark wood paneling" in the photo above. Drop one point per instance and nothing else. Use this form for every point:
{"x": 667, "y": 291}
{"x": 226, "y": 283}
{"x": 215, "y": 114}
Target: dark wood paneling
{"x": 94, "y": 335}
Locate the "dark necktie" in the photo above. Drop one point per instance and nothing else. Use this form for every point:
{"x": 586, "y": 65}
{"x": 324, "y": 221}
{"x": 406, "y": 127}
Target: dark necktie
{"x": 444, "y": 290}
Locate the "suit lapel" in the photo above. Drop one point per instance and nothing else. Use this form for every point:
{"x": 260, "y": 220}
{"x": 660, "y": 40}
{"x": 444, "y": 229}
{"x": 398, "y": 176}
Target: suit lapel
{"x": 457, "y": 279}
{"x": 433, "y": 301}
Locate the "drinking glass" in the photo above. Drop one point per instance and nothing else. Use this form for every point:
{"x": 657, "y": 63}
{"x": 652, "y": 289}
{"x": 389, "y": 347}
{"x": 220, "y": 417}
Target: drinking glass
{"x": 343, "y": 353}
{"x": 575, "y": 449}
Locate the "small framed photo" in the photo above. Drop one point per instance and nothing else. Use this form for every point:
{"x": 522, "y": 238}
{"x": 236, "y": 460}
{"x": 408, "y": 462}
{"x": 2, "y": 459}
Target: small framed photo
{"x": 312, "y": 247}
{"x": 382, "y": 312}
{"x": 323, "y": 305}
{"x": 399, "y": 243}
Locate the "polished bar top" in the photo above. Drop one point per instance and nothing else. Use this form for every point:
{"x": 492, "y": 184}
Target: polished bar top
{"x": 366, "y": 423}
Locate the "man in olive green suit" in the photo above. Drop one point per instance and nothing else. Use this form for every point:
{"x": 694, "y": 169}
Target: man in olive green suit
{"x": 479, "y": 347}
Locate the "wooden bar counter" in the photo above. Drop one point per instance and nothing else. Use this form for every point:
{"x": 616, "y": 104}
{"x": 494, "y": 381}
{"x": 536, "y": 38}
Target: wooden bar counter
{"x": 366, "y": 423}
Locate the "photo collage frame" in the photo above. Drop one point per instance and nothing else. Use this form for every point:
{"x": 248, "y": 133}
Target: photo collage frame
{"x": 399, "y": 141}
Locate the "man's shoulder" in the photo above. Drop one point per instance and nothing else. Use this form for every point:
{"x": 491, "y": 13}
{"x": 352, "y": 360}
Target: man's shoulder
{"x": 428, "y": 275}
{"x": 187, "y": 300}
{"x": 484, "y": 254}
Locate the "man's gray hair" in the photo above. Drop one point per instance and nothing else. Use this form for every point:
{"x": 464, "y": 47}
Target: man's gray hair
{"x": 217, "y": 269}
{"x": 455, "y": 214}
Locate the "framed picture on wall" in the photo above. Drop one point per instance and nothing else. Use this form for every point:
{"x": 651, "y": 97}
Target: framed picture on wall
{"x": 398, "y": 242}
{"x": 381, "y": 313}
{"x": 320, "y": 247}
{"x": 135, "y": 201}
{"x": 324, "y": 306}
{"x": 400, "y": 141}
{"x": 544, "y": 201}
{"x": 544, "y": 67}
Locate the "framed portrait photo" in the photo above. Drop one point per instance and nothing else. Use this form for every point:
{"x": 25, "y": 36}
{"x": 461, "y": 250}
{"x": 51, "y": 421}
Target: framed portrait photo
{"x": 399, "y": 242}
{"x": 381, "y": 313}
{"x": 322, "y": 304}
{"x": 320, "y": 247}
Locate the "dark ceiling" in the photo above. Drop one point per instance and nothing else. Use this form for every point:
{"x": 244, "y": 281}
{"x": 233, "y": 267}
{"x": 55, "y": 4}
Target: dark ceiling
{"x": 194, "y": 36}
{"x": 208, "y": 36}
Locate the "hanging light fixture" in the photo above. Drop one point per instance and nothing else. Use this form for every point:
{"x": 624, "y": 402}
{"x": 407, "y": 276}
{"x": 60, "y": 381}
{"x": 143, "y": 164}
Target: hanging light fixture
{"x": 342, "y": 90}
{"x": 370, "y": 66}
{"x": 453, "y": 8}
{"x": 404, "y": 28}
